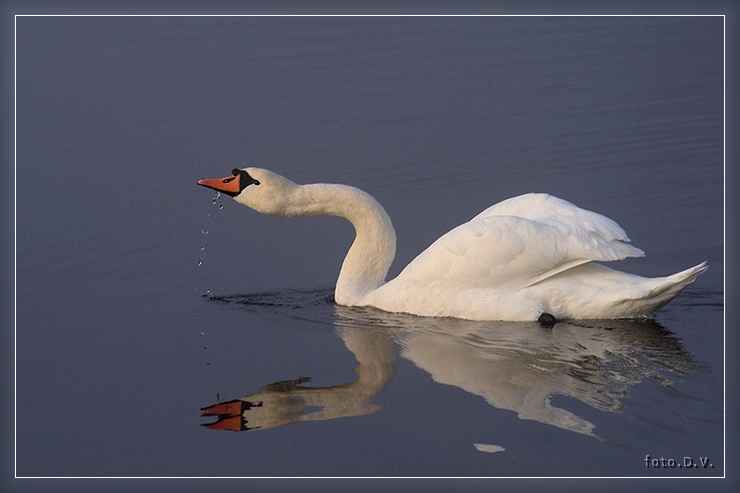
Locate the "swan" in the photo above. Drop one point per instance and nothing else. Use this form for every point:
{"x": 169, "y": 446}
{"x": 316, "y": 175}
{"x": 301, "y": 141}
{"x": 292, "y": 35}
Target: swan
{"x": 528, "y": 258}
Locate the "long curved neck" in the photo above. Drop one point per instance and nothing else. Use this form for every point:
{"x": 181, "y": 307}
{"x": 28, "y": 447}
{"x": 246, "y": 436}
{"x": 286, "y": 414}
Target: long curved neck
{"x": 368, "y": 260}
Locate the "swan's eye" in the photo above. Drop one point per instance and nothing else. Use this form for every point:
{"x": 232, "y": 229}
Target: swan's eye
{"x": 244, "y": 179}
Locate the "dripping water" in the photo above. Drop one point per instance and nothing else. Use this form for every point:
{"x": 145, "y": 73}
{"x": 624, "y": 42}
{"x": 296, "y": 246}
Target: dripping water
{"x": 216, "y": 201}
{"x": 206, "y": 230}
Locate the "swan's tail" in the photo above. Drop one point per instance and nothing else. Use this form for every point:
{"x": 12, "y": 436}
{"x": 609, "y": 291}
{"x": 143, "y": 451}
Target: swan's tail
{"x": 671, "y": 286}
{"x": 689, "y": 275}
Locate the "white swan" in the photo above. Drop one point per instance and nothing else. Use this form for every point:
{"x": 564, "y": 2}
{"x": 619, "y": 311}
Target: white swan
{"x": 527, "y": 258}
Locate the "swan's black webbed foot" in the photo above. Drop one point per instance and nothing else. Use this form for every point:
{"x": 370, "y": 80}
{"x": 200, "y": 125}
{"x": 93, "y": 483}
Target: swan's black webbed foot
{"x": 547, "y": 320}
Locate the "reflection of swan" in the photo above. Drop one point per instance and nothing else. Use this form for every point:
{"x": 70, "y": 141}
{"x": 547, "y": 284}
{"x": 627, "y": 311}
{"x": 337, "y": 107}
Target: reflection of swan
{"x": 283, "y": 403}
{"x": 521, "y": 366}
{"x": 514, "y": 366}
{"x": 522, "y": 259}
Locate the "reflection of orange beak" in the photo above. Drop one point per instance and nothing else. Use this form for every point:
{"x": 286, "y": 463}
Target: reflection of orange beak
{"x": 231, "y": 408}
{"x": 229, "y": 185}
{"x": 230, "y": 415}
{"x": 233, "y": 423}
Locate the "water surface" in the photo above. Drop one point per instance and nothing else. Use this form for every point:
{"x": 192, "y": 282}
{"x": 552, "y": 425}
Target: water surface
{"x": 131, "y": 319}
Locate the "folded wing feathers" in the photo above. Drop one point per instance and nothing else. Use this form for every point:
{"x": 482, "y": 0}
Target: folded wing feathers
{"x": 599, "y": 237}
{"x": 520, "y": 242}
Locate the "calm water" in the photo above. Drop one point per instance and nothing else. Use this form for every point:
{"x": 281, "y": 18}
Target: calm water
{"x": 141, "y": 301}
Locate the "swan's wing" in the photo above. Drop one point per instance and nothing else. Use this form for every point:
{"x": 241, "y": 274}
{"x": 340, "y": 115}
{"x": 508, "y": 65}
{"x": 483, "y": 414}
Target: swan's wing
{"x": 590, "y": 228}
{"x": 517, "y": 243}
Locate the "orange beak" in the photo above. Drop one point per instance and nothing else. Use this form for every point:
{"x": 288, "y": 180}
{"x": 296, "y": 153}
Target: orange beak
{"x": 229, "y": 185}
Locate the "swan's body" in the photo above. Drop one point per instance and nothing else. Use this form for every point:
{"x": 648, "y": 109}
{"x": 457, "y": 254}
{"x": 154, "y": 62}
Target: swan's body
{"x": 521, "y": 258}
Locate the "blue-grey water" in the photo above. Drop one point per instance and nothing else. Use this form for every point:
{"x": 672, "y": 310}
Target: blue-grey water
{"x": 142, "y": 300}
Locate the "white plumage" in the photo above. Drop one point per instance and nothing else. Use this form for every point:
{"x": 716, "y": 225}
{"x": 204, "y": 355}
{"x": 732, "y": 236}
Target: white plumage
{"x": 521, "y": 258}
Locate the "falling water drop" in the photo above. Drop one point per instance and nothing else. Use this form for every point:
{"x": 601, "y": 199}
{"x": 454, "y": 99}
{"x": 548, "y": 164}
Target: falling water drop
{"x": 205, "y": 231}
{"x": 217, "y": 200}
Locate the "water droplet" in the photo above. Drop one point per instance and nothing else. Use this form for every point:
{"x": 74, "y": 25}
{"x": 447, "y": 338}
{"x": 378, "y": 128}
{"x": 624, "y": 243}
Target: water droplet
{"x": 217, "y": 200}
{"x": 200, "y": 262}
{"x": 205, "y": 232}
{"x": 202, "y": 248}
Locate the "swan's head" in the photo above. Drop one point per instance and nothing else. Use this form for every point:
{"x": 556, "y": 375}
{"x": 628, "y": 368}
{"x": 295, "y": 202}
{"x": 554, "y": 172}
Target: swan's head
{"x": 259, "y": 189}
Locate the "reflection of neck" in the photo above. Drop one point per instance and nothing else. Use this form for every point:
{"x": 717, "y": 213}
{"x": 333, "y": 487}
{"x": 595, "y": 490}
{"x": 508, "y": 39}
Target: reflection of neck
{"x": 287, "y": 402}
{"x": 377, "y": 358}
{"x": 368, "y": 260}
{"x": 377, "y": 368}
